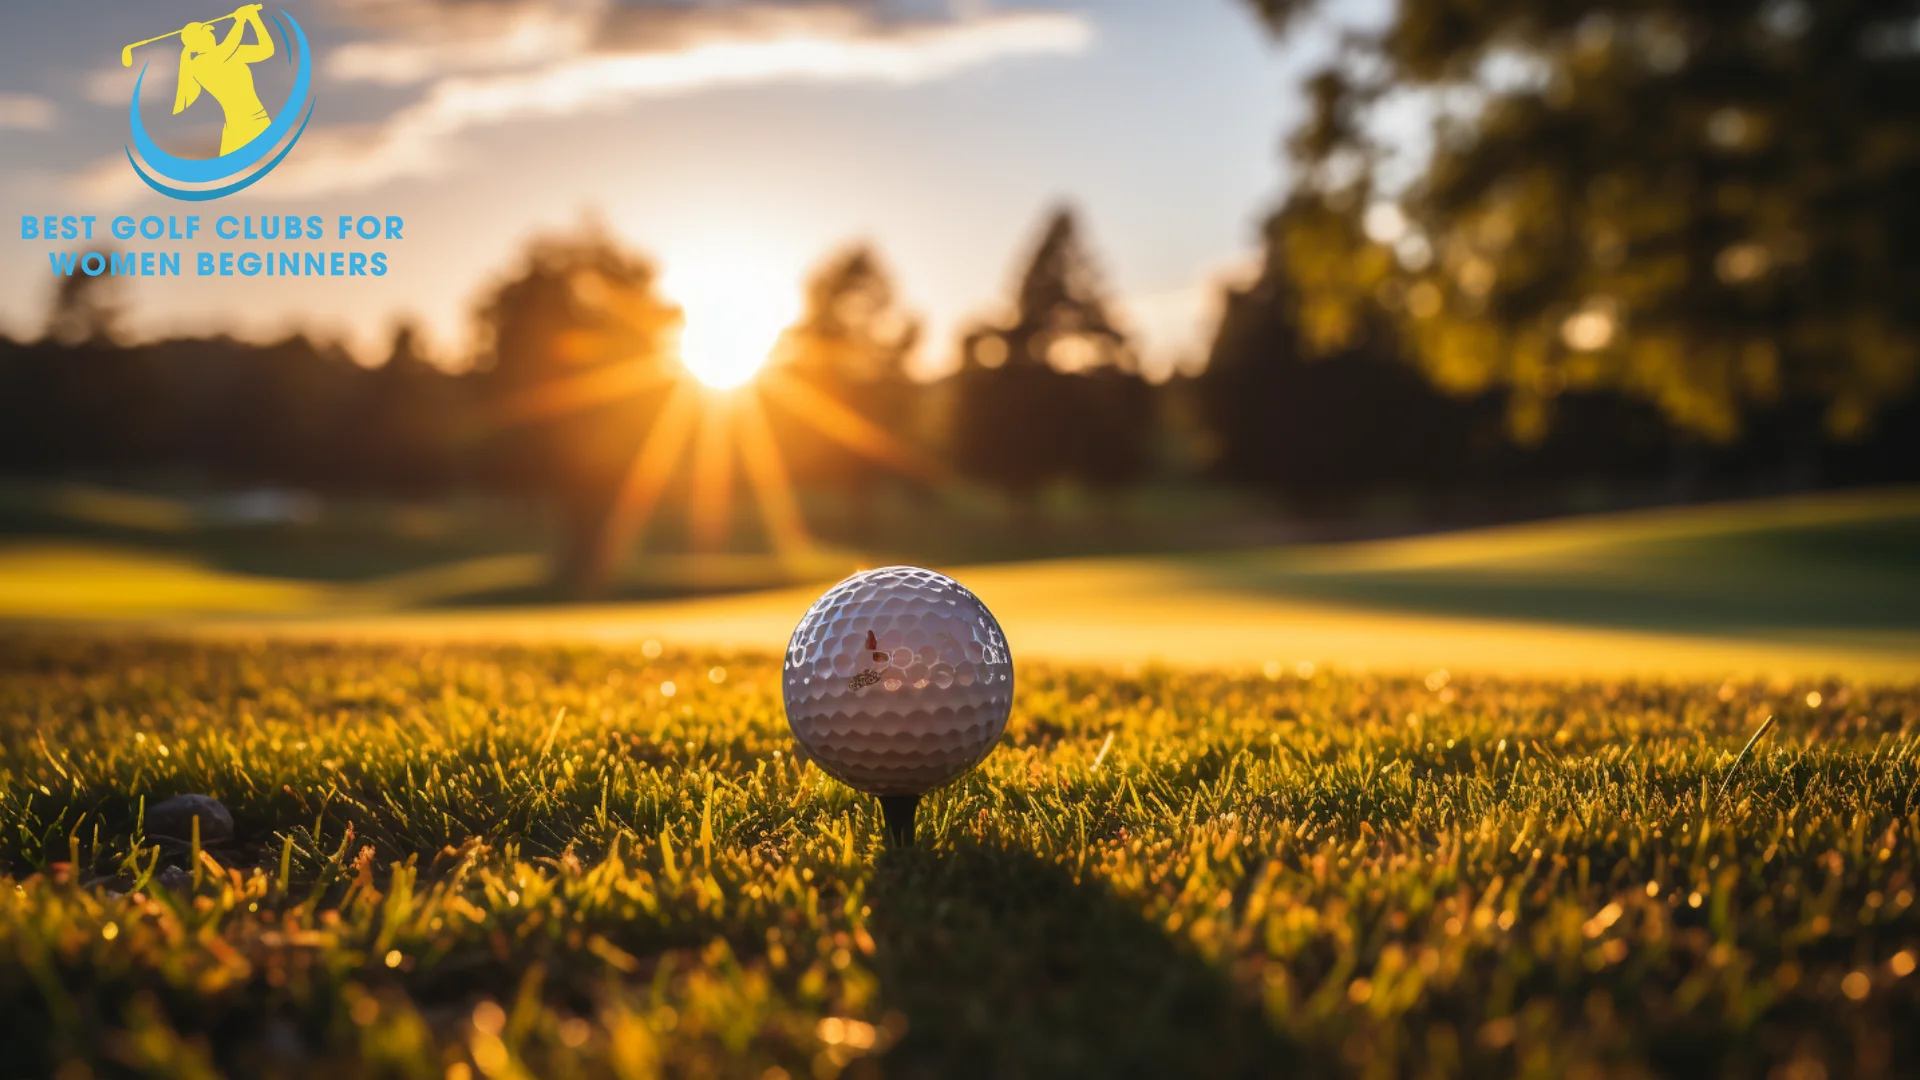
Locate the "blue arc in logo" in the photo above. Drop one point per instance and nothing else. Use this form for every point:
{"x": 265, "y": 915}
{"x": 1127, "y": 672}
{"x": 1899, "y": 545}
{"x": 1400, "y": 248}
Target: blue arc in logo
{"x": 299, "y": 106}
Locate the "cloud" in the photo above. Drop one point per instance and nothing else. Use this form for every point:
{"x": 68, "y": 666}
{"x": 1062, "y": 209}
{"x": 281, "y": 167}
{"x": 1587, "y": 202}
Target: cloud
{"x": 24, "y": 112}
{"x": 422, "y": 41}
{"x": 488, "y": 63}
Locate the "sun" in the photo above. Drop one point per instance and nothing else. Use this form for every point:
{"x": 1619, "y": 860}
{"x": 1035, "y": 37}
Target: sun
{"x": 735, "y": 312}
{"x": 712, "y": 422}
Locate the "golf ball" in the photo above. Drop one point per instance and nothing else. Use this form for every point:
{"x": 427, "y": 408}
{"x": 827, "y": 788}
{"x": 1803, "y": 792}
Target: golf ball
{"x": 898, "y": 680}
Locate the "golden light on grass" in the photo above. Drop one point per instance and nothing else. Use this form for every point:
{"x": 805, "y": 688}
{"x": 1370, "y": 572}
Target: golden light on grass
{"x": 504, "y": 752}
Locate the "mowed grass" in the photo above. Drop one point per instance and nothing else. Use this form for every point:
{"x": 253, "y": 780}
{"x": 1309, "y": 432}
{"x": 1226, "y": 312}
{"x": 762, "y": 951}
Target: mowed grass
{"x": 1792, "y": 587}
{"x": 560, "y": 861}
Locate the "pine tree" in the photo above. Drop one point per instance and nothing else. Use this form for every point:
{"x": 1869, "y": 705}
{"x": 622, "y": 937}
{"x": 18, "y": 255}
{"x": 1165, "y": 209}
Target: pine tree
{"x": 1055, "y": 393}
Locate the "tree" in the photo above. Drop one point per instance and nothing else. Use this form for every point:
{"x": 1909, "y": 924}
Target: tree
{"x": 1702, "y": 203}
{"x": 1055, "y": 393}
{"x": 576, "y": 350}
{"x": 87, "y": 308}
{"x": 1334, "y": 432}
{"x": 80, "y": 400}
{"x": 852, "y": 341}
{"x": 1323, "y": 431}
{"x": 409, "y": 418}
{"x": 277, "y": 414}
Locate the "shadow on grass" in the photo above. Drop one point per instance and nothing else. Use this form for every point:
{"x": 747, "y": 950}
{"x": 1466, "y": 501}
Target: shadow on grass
{"x": 1828, "y": 578}
{"x": 1005, "y": 966}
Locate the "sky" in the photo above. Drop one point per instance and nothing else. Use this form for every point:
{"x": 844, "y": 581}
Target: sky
{"x": 735, "y": 142}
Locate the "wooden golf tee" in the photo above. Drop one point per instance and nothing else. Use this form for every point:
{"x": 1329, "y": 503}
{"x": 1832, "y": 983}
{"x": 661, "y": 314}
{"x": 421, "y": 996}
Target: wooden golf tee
{"x": 898, "y": 811}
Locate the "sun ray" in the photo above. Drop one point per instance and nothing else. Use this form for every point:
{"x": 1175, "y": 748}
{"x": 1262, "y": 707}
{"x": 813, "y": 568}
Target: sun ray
{"x": 836, "y": 420}
{"x": 702, "y": 429}
{"x": 647, "y": 479}
{"x": 767, "y": 474}
{"x": 571, "y": 393}
{"x": 710, "y": 511}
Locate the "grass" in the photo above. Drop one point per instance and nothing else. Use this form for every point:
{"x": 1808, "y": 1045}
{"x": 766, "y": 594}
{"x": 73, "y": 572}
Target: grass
{"x": 458, "y": 861}
{"x": 1845, "y": 561}
{"x": 1795, "y": 588}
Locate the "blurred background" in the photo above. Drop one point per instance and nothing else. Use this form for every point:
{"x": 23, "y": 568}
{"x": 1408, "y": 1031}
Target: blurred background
{"x": 1176, "y": 310}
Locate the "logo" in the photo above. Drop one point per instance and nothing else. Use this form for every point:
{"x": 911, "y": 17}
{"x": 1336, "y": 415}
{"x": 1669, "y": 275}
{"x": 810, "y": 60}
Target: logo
{"x": 871, "y": 675}
{"x": 219, "y": 66}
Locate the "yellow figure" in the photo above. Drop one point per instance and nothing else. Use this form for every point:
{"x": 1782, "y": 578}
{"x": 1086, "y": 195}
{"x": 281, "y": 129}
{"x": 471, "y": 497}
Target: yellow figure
{"x": 220, "y": 68}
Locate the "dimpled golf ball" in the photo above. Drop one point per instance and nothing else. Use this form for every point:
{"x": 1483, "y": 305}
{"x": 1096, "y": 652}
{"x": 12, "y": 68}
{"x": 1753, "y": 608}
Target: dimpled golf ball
{"x": 898, "y": 680}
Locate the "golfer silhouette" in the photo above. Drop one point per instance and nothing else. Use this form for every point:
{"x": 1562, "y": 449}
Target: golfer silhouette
{"x": 220, "y": 68}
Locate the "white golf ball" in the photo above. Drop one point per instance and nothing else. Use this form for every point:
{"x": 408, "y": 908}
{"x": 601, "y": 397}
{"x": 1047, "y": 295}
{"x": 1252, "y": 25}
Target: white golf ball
{"x": 898, "y": 680}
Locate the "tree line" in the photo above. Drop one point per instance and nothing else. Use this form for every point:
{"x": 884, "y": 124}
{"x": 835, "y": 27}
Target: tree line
{"x": 577, "y": 350}
{"x": 1667, "y": 249}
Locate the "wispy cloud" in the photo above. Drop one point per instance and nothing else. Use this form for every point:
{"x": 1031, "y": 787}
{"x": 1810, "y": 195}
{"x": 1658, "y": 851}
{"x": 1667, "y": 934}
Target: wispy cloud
{"x": 25, "y": 112}
{"x": 415, "y": 42}
{"x": 486, "y": 64}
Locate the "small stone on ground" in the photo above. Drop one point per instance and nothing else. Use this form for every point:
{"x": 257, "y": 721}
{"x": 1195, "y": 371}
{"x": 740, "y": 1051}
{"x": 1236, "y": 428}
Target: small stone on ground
{"x": 173, "y": 820}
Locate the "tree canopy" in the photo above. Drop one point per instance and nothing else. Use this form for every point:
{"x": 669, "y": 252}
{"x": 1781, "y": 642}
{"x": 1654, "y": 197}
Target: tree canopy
{"x": 852, "y": 326}
{"x": 1703, "y": 203}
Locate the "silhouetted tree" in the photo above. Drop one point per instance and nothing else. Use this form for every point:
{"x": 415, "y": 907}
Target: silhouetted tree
{"x": 86, "y": 308}
{"x": 1318, "y": 430}
{"x": 276, "y": 414}
{"x": 1055, "y": 393}
{"x": 852, "y": 341}
{"x": 411, "y": 419}
{"x": 1327, "y": 432}
{"x": 1708, "y": 205}
{"x": 83, "y": 401}
{"x": 576, "y": 344}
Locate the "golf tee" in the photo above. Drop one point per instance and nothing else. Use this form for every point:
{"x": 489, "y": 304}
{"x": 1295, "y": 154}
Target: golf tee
{"x": 898, "y": 811}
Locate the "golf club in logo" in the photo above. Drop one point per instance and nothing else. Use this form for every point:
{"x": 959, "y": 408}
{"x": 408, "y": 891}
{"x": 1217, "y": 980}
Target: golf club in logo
{"x": 219, "y": 65}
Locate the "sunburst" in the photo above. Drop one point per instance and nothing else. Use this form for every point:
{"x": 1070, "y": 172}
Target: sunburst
{"x": 719, "y": 384}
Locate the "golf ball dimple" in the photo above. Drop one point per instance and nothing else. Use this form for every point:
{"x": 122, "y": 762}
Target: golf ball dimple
{"x": 898, "y": 680}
